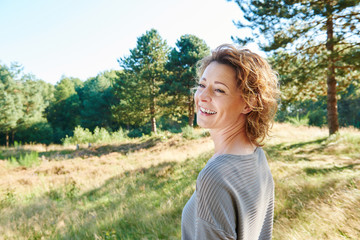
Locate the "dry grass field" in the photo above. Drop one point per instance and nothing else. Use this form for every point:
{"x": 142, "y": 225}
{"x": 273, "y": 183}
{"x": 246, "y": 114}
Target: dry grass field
{"x": 136, "y": 189}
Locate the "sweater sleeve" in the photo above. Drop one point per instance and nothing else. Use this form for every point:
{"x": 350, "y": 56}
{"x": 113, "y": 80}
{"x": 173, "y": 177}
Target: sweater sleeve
{"x": 216, "y": 208}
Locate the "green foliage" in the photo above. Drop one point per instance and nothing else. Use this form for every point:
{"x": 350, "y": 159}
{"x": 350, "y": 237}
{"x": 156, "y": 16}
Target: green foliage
{"x": 137, "y": 88}
{"x": 349, "y": 106}
{"x": 311, "y": 43}
{"x": 25, "y": 160}
{"x": 64, "y": 110}
{"x": 181, "y": 76}
{"x": 188, "y": 132}
{"x": 297, "y": 121}
{"x": 100, "y": 135}
{"x": 97, "y": 96}
{"x": 10, "y": 101}
{"x": 81, "y": 135}
{"x": 37, "y": 132}
{"x": 315, "y": 111}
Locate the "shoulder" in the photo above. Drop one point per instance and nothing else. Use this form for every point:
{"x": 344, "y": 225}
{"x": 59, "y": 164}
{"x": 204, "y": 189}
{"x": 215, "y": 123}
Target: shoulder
{"x": 232, "y": 174}
{"x": 229, "y": 167}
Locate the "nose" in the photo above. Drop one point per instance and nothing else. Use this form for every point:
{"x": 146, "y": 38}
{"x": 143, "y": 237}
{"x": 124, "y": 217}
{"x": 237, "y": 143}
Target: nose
{"x": 203, "y": 95}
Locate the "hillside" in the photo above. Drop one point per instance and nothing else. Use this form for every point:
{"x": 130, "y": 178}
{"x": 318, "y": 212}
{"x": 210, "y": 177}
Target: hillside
{"x": 136, "y": 189}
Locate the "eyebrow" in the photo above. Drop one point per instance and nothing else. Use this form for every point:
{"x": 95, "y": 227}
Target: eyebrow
{"x": 217, "y": 82}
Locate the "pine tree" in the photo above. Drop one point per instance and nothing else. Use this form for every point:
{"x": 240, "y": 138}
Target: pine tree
{"x": 182, "y": 77}
{"x": 144, "y": 67}
{"x": 96, "y": 99}
{"x": 10, "y": 102}
{"x": 321, "y": 37}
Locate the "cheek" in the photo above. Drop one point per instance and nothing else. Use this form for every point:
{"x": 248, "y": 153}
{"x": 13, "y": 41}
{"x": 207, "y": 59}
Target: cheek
{"x": 196, "y": 97}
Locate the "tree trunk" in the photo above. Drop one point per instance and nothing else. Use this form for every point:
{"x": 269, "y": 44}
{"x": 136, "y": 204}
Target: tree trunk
{"x": 152, "y": 106}
{"x": 7, "y": 139}
{"x": 332, "y": 113}
{"x": 152, "y": 115}
{"x": 13, "y": 136}
{"x": 191, "y": 110}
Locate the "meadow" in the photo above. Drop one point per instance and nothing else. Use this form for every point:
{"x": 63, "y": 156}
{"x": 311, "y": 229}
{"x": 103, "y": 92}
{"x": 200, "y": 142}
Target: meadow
{"x": 136, "y": 188}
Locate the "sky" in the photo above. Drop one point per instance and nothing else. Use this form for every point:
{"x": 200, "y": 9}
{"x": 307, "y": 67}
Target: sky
{"x": 81, "y": 38}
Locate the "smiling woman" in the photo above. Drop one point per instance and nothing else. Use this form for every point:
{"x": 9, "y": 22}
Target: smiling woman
{"x": 236, "y": 99}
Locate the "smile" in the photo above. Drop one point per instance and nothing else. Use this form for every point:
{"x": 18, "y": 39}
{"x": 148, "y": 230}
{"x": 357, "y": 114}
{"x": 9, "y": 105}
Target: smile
{"x": 207, "y": 111}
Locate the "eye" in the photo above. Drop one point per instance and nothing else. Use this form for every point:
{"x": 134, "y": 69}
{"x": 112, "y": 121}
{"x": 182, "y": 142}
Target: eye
{"x": 201, "y": 85}
{"x": 219, "y": 90}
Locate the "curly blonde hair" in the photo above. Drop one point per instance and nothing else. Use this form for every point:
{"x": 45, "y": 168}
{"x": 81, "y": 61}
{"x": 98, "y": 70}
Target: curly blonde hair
{"x": 258, "y": 84}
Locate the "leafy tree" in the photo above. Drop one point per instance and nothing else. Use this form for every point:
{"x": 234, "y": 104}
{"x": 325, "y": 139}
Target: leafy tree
{"x": 96, "y": 99}
{"x": 144, "y": 67}
{"x": 131, "y": 107}
{"x": 311, "y": 41}
{"x": 182, "y": 74}
{"x": 64, "y": 111}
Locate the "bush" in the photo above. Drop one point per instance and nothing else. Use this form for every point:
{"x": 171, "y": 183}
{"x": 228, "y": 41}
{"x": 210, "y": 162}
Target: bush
{"x": 37, "y": 132}
{"x": 188, "y": 132}
{"x": 81, "y": 135}
{"x": 26, "y": 160}
{"x": 100, "y": 135}
{"x": 119, "y": 135}
{"x": 297, "y": 121}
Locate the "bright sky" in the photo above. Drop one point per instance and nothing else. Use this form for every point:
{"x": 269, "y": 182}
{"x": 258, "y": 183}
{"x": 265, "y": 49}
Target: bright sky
{"x": 81, "y": 38}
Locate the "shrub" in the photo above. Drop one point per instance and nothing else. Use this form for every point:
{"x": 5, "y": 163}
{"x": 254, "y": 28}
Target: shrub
{"x": 101, "y": 135}
{"x": 188, "y": 132}
{"x": 81, "y": 135}
{"x": 26, "y": 160}
{"x": 297, "y": 121}
{"x": 119, "y": 135}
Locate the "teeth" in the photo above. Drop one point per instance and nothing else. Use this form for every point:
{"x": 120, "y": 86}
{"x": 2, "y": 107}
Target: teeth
{"x": 207, "y": 110}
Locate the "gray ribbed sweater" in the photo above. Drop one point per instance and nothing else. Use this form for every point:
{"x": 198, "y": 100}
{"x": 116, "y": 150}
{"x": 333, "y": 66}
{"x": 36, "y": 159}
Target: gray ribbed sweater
{"x": 234, "y": 199}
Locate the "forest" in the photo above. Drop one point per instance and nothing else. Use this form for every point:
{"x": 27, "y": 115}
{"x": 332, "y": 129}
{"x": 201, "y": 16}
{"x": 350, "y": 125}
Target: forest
{"x": 319, "y": 80}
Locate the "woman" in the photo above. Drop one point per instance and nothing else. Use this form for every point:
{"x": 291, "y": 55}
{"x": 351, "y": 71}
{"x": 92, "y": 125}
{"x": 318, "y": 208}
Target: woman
{"x": 236, "y": 99}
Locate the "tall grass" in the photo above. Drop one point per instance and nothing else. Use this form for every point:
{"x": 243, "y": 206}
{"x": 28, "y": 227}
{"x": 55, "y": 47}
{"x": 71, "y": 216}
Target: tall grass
{"x": 133, "y": 195}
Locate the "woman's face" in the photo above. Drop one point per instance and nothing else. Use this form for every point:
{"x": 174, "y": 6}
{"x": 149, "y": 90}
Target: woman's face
{"x": 218, "y": 100}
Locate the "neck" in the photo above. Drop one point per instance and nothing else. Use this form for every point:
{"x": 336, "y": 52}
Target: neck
{"x": 232, "y": 140}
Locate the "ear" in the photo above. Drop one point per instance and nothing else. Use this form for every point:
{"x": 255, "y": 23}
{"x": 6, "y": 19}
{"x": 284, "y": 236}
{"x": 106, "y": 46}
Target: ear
{"x": 246, "y": 109}
{"x": 249, "y": 107}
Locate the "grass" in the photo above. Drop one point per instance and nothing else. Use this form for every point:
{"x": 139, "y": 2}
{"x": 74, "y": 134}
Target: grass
{"x": 137, "y": 189}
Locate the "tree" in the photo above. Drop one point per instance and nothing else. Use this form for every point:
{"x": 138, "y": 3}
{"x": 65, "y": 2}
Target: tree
{"x": 63, "y": 113}
{"x": 96, "y": 99}
{"x": 182, "y": 74}
{"x": 131, "y": 107}
{"x": 144, "y": 67}
{"x": 10, "y": 101}
{"x": 320, "y": 36}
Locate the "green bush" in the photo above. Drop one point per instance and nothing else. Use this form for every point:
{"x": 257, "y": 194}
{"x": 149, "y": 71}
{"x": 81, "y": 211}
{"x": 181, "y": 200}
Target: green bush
{"x": 297, "y": 121}
{"x": 26, "y": 160}
{"x": 81, "y": 135}
{"x": 37, "y": 132}
{"x": 100, "y": 135}
{"x": 119, "y": 135}
{"x": 188, "y": 132}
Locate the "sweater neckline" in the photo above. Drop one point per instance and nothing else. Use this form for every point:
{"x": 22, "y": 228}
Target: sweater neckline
{"x": 245, "y": 156}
